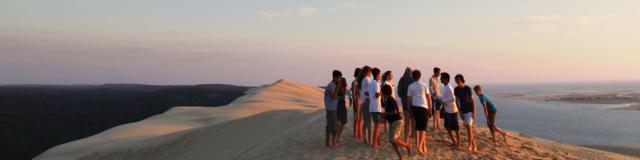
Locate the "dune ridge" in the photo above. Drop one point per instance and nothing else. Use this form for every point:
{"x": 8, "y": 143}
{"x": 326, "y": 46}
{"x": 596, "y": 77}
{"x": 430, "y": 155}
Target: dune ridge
{"x": 283, "y": 120}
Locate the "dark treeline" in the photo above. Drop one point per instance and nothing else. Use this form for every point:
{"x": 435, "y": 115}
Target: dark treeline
{"x": 36, "y": 118}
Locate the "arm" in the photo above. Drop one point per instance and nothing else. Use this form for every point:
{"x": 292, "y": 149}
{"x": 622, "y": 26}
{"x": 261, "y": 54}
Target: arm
{"x": 486, "y": 113}
{"x": 473, "y": 104}
{"x": 429, "y": 103}
{"x": 334, "y": 93}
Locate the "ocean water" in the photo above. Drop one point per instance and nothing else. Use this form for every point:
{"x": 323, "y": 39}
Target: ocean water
{"x": 565, "y": 122}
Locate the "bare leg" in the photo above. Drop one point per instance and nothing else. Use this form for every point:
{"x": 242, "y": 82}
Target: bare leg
{"x": 339, "y": 132}
{"x": 424, "y": 141}
{"x": 395, "y": 147}
{"x": 453, "y": 141}
{"x": 376, "y": 135}
{"x": 327, "y": 136}
{"x": 458, "y": 138}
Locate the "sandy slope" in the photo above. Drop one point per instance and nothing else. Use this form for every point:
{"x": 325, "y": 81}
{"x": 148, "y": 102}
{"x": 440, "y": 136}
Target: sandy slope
{"x": 280, "y": 121}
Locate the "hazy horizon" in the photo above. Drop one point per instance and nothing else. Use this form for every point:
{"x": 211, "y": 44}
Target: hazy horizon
{"x": 252, "y": 43}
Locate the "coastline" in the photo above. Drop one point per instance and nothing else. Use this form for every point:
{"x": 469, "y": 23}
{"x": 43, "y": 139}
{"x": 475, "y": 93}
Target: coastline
{"x": 285, "y": 120}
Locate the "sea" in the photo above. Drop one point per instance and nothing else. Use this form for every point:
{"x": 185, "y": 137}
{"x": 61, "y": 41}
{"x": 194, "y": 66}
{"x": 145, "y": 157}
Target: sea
{"x": 574, "y": 123}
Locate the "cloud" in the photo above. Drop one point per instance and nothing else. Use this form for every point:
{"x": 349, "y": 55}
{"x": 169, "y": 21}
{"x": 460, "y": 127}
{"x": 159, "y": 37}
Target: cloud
{"x": 273, "y": 14}
{"x": 306, "y": 11}
{"x": 543, "y": 23}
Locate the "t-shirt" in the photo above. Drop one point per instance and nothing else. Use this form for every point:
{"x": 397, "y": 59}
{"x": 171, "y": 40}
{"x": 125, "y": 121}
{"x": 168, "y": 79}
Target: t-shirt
{"x": 393, "y": 92}
{"x": 391, "y": 109}
{"x": 434, "y": 83}
{"x": 364, "y": 87}
{"x": 484, "y": 99}
{"x": 330, "y": 103}
{"x": 417, "y": 91}
{"x": 448, "y": 99}
{"x": 465, "y": 99}
{"x": 374, "y": 102}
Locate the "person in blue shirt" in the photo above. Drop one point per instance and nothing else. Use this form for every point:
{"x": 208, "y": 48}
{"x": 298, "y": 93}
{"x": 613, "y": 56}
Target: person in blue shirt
{"x": 490, "y": 112}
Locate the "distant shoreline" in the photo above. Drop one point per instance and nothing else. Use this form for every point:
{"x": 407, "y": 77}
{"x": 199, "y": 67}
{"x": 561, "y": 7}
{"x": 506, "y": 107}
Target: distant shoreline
{"x": 631, "y": 100}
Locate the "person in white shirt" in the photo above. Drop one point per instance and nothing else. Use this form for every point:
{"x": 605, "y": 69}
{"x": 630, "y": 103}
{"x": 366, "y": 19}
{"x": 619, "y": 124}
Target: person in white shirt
{"x": 450, "y": 109}
{"x": 434, "y": 86}
{"x": 420, "y": 100}
{"x": 375, "y": 106}
{"x": 366, "y": 116}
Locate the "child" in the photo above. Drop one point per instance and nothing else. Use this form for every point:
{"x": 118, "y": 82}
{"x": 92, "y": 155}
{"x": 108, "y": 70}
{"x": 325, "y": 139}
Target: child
{"x": 375, "y": 106}
{"x": 392, "y": 115}
{"x": 342, "y": 107}
{"x": 331, "y": 105}
{"x": 357, "y": 116}
{"x": 450, "y": 109}
{"x": 468, "y": 108}
{"x": 418, "y": 96}
{"x": 403, "y": 86}
{"x": 434, "y": 86}
{"x": 364, "y": 96}
{"x": 490, "y": 112}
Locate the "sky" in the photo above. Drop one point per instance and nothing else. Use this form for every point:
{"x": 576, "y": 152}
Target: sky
{"x": 254, "y": 42}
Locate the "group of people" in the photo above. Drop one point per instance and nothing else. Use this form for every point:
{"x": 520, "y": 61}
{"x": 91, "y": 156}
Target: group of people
{"x": 375, "y": 105}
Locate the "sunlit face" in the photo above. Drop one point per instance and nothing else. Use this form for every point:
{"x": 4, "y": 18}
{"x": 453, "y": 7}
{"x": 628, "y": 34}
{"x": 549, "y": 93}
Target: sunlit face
{"x": 390, "y": 77}
{"x": 444, "y": 81}
{"x": 460, "y": 83}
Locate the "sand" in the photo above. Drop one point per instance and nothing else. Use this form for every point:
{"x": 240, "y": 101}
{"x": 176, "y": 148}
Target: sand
{"x": 284, "y": 120}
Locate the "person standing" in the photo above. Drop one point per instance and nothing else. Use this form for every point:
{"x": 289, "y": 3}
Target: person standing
{"x": 420, "y": 100}
{"x": 366, "y": 116}
{"x": 357, "y": 116}
{"x": 464, "y": 99}
{"x": 393, "y": 116}
{"x": 403, "y": 86}
{"x": 342, "y": 107}
{"x": 375, "y": 106}
{"x": 387, "y": 79}
{"x": 490, "y": 112}
{"x": 450, "y": 109}
{"x": 434, "y": 86}
{"x": 331, "y": 105}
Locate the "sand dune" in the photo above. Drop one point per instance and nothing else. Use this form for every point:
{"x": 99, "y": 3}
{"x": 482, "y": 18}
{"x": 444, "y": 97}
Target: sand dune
{"x": 283, "y": 120}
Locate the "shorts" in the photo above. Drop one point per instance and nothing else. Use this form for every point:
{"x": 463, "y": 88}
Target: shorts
{"x": 375, "y": 117}
{"x": 437, "y": 105}
{"x": 421, "y": 116}
{"x": 491, "y": 120}
{"x": 467, "y": 118}
{"x": 332, "y": 118}
{"x": 366, "y": 115}
{"x": 342, "y": 112}
{"x": 395, "y": 130}
{"x": 451, "y": 121}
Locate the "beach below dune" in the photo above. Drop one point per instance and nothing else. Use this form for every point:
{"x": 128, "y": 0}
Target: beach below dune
{"x": 284, "y": 120}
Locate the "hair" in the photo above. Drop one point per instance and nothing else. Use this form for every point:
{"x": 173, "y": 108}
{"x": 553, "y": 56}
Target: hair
{"x": 460, "y": 77}
{"x": 385, "y": 75}
{"x": 436, "y": 70}
{"x": 363, "y": 73}
{"x": 337, "y": 73}
{"x": 356, "y": 73}
{"x": 386, "y": 90}
{"x": 416, "y": 74}
{"x": 343, "y": 87}
{"x": 444, "y": 76}
{"x": 375, "y": 72}
{"x": 477, "y": 87}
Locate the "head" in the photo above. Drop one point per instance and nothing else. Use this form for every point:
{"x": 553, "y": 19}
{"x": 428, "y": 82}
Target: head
{"x": 356, "y": 73}
{"x": 407, "y": 72}
{"x": 386, "y": 90}
{"x": 366, "y": 70}
{"x": 436, "y": 71}
{"x": 445, "y": 78}
{"x": 460, "y": 80}
{"x": 416, "y": 75}
{"x": 477, "y": 89}
{"x": 337, "y": 75}
{"x": 376, "y": 73}
{"x": 387, "y": 76}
